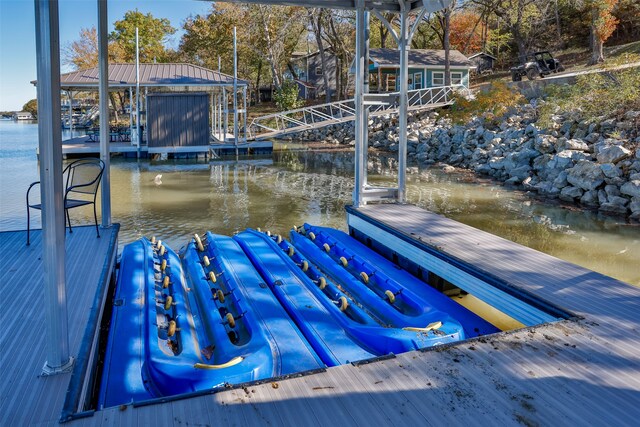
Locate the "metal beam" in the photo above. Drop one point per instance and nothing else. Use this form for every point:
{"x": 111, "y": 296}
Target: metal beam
{"x": 103, "y": 65}
{"x": 51, "y": 187}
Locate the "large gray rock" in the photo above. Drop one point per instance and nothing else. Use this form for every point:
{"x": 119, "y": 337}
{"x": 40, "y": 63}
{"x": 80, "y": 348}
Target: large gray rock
{"x": 612, "y": 154}
{"x": 634, "y": 205}
{"x": 571, "y": 144}
{"x": 590, "y": 198}
{"x": 586, "y": 175}
{"x": 610, "y": 170}
{"x": 631, "y": 188}
{"x": 570, "y": 193}
{"x": 545, "y": 144}
{"x": 561, "y": 180}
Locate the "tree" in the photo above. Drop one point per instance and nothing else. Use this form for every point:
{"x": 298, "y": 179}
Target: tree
{"x": 466, "y": 32}
{"x": 83, "y": 53}
{"x": 315, "y": 20}
{"x": 603, "y": 24}
{"x": 31, "y": 107}
{"x": 152, "y": 33}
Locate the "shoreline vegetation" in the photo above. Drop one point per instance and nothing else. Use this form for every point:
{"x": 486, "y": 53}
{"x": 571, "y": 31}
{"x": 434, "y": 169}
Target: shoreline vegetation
{"x": 577, "y": 143}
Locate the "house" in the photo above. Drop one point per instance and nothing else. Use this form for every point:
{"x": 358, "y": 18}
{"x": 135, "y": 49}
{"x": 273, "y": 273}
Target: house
{"x": 23, "y": 115}
{"x": 483, "y": 62}
{"x": 426, "y": 69}
{"x": 307, "y": 71}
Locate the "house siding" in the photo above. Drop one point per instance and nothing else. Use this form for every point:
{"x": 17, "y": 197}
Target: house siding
{"x": 426, "y": 73}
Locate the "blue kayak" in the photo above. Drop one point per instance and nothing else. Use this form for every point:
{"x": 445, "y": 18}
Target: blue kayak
{"x": 171, "y": 338}
{"x": 392, "y": 294}
{"x": 336, "y": 326}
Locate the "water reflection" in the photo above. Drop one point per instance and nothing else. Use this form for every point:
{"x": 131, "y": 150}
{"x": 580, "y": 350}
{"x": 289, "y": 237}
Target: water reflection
{"x": 313, "y": 186}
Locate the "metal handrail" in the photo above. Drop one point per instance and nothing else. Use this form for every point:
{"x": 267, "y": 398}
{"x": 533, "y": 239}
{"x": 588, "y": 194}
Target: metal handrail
{"x": 342, "y": 111}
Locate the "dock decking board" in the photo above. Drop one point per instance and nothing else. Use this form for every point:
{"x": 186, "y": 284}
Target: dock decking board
{"x": 583, "y": 371}
{"x": 27, "y": 398}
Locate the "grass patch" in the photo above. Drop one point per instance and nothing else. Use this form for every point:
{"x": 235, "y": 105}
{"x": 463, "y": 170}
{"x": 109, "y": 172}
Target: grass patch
{"x": 491, "y": 104}
{"x": 597, "y": 96}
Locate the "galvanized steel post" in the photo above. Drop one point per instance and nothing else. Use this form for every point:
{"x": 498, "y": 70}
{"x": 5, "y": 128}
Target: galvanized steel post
{"x": 360, "y": 122}
{"x": 51, "y": 187}
{"x": 404, "y": 89}
{"x": 103, "y": 65}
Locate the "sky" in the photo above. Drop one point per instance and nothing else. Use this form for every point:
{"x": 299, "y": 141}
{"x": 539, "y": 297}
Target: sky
{"x": 18, "y": 45}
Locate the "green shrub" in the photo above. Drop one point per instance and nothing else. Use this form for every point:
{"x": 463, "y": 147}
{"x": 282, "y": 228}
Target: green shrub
{"x": 286, "y": 97}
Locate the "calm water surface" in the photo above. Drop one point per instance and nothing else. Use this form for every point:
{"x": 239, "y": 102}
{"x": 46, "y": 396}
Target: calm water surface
{"x": 297, "y": 186}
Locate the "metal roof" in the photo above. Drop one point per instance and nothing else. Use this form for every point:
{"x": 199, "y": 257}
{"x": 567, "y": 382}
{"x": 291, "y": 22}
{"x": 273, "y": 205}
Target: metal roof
{"x": 391, "y": 57}
{"x": 382, "y": 5}
{"x": 151, "y": 75}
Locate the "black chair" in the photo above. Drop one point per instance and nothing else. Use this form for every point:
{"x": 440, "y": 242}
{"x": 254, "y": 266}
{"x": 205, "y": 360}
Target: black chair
{"x": 82, "y": 181}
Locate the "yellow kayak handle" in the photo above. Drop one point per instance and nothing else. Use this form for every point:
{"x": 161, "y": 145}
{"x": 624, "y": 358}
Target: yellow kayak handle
{"x": 220, "y": 295}
{"x": 158, "y": 243}
{"x": 365, "y": 277}
{"x": 205, "y": 261}
{"x": 212, "y": 277}
{"x": 153, "y": 240}
{"x": 326, "y": 247}
{"x": 163, "y": 266}
{"x": 171, "y": 331}
{"x": 198, "y": 242}
{"x": 305, "y": 265}
{"x": 390, "y": 296}
{"x": 429, "y": 327}
{"x": 162, "y": 249}
{"x": 291, "y": 251}
{"x": 228, "y": 364}
{"x": 312, "y": 235}
{"x": 322, "y": 283}
{"x": 168, "y": 302}
{"x": 278, "y": 239}
{"x": 165, "y": 282}
{"x": 343, "y": 303}
{"x": 230, "y": 320}
{"x": 344, "y": 261}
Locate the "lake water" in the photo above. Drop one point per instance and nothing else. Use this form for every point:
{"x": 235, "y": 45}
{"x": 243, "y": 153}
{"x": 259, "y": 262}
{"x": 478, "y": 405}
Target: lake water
{"x": 295, "y": 186}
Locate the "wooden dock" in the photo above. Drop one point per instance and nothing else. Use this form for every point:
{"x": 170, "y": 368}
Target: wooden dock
{"x": 83, "y": 146}
{"x": 581, "y": 371}
{"x": 27, "y": 398}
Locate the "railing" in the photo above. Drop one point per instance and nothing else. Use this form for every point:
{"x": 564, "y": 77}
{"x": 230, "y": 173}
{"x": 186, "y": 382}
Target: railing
{"x": 321, "y": 115}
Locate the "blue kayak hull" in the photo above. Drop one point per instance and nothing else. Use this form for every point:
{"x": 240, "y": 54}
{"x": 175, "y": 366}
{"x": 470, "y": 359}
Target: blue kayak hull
{"x": 173, "y": 332}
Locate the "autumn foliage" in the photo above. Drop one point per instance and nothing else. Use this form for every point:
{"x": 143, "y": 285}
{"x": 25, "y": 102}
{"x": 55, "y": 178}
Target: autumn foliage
{"x": 466, "y": 32}
{"x": 605, "y": 22}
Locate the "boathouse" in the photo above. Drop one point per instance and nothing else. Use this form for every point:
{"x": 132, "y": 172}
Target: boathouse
{"x": 182, "y": 106}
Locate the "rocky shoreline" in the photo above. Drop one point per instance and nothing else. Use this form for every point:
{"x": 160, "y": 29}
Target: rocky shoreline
{"x": 592, "y": 164}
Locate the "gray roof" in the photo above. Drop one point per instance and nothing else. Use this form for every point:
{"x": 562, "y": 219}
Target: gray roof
{"x": 391, "y": 57}
{"x": 151, "y": 75}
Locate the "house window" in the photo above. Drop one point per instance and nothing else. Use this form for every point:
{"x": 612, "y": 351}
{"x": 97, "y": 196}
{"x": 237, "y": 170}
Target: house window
{"x": 417, "y": 81}
{"x": 318, "y": 71}
{"x": 456, "y": 78}
{"x": 437, "y": 78}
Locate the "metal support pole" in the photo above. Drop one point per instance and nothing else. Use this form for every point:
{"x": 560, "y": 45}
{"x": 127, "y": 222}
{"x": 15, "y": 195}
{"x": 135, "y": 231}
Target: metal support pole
{"x": 138, "y": 136}
{"x": 244, "y": 97}
{"x": 103, "y": 65}
{"x": 130, "y": 113}
{"x": 225, "y": 110}
{"x": 360, "y": 119}
{"x": 404, "y": 88}
{"x": 235, "y": 90}
{"x": 51, "y": 191}
{"x": 213, "y": 119}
